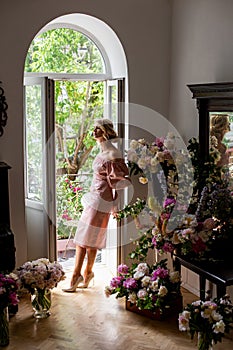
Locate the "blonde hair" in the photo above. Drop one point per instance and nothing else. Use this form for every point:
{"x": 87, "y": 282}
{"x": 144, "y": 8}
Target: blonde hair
{"x": 106, "y": 126}
{"x": 219, "y": 125}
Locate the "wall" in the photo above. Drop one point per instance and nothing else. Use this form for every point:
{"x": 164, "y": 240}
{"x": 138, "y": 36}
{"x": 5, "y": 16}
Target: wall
{"x": 202, "y": 51}
{"x": 142, "y": 27}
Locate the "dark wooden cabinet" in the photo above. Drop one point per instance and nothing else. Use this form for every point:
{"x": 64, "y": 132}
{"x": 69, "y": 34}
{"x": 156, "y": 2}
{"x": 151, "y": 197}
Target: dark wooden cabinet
{"x": 211, "y": 97}
{"x": 7, "y": 247}
{"x": 4, "y": 197}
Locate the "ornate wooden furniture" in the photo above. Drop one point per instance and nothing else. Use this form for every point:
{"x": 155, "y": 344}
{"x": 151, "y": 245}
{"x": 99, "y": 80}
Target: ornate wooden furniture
{"x": 7, "y": 248}
{"x": 212, "y": 97}
{"x": 221, "y": 274}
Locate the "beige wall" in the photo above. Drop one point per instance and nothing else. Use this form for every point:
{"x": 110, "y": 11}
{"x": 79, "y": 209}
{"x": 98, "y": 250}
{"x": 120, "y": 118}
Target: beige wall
{"x": 143, "y": 28}
{"x": 202, "y": 52}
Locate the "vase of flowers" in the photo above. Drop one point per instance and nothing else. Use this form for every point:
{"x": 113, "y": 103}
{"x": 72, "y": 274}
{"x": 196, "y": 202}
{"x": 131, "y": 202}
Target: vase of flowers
{"x": 8, "y": 296}
{"x": 148, "y": 288}
{"x": 41, "y": 302}
{"x": 209, "y": 320}
{"x": 39, "y": 277}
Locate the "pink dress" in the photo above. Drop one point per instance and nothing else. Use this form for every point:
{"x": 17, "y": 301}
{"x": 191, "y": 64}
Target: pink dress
{"x": 109, "y": 175}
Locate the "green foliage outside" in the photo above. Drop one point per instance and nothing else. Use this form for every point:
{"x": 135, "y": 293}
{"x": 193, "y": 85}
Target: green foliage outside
{"x": 77, "y": 104}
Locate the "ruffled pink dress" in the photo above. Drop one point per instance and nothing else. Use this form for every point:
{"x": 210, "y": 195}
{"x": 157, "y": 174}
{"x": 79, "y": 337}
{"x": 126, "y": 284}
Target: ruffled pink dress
{"x": 109, "y": 175}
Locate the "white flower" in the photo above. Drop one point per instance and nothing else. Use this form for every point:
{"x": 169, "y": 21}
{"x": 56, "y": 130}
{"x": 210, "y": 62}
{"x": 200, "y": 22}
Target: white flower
{"x": 154, "y": 285}
{"x": 145, "y": 281}
{"x": 138, "y": 275}
{"x": 154, "y": 161}
{"x": 142, "y": 163}
{"x": 132, "y": 156}
{"x": 216, "y": 316}
{"x": 142, "y": 267}
{"x": 219, "y": 327}
{"x": 169, "y": 143}
{"x": 142, "y": 293}
{"x": 174, "y": 276}
{"x": 206, "y": 313}
{"x": 132, "y": 297}
{"x": 134, "y": 144}
{"x": 183, "y": 323}
{"x": 162, "y": 291}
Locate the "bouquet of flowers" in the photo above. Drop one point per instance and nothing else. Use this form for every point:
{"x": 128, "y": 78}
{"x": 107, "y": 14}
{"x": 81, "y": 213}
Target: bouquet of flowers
{"x": 40, "y": 274}
{"x": 39, "y": 277}
{"x": 148, "y": 287}
{"x": 209, "y": 319}
{"x": 8, "y": 290}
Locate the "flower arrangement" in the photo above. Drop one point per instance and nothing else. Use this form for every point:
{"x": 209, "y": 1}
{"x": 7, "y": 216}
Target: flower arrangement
{"x": 8, "y": 290}
{"x": 207, "y": 220}
{"x": 149, "y": 159}
{"x": 209, "y": 319}
{"x": 40, "y": 274}
{"x": 148, "y": 287}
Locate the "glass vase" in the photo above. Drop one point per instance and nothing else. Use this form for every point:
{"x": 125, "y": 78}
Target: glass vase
{"x": 4, "y": 327}
{"x": 204, "y": 342}
{"x": 41, "y": 303}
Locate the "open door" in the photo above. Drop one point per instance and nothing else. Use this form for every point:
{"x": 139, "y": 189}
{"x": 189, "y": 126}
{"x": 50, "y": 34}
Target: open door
{"x": 115, "y": 111}
{"x": 40, "y": 204}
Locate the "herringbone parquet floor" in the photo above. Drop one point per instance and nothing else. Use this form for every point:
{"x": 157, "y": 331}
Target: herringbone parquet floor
{"x": 87, "y": 320}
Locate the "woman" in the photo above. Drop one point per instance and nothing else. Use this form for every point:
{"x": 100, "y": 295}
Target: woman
{"x": 220, "y": 125}
{"x": 110, "y": 176}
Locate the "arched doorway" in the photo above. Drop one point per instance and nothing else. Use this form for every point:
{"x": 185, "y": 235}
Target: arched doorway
{"x": 41, "y": 214}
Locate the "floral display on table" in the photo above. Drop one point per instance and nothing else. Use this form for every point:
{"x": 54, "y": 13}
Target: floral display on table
{"x": 39, "y": 277}
{"x": 8, "y": 296}
{"x": 208, "y": 320}
{"x": 147, "y": 287}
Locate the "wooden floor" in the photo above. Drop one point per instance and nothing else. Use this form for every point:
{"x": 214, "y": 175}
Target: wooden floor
{"x": 87, "y": 320}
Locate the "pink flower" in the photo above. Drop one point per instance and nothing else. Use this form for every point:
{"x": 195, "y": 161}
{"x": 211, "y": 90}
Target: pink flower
{"x": 130, "y": 283}
{"x": 123, "y": 269}
{"x": 159, "y": 272}
{"x": 165, "y": 216}
{"x": 116, "y": 282}
{"x": 169, "y": 201}
{"x": 76, "y": 189}
{"x": 159, "y": 141}
{"x": 168, "y": 247}
{"x": 199, "y": 246}
{"x": 142, "y": 293}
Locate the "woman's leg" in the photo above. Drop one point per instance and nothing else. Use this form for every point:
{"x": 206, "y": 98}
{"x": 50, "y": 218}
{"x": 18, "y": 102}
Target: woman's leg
{"x": 79, "y": 258}
{"x": 91, "y": 255}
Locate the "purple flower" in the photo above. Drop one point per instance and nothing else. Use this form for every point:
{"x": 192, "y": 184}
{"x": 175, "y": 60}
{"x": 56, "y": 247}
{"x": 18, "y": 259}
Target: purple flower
{"x": 154, "y": 241}
{"x": 159, "y": 272}
{"x": 123, "y": 269}
{"x": 168, "y": 247}
{"x": 159, "y": 141}
{"x": 76, "y": 189}
{"x": 130, "y": 283}
{"x": 169, "y": 201}
{"x": 116, "y": 282}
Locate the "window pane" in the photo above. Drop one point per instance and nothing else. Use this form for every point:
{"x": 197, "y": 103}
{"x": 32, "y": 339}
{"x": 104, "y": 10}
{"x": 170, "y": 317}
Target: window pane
{"x": 64, "y": 50}
{"x": 33, "y": 142}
